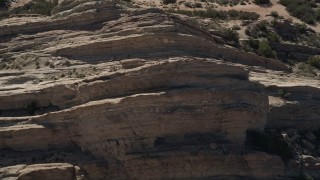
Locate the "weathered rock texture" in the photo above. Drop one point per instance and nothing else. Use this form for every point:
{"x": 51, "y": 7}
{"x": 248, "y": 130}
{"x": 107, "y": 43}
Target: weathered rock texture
{"x": 99, "y": 91}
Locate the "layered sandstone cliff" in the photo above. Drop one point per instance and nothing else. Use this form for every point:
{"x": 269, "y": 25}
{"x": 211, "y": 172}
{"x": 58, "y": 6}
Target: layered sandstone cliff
{"x": 103, "y": 91}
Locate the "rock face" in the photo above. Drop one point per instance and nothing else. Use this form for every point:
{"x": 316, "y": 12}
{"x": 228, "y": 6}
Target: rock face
{"x": 100, "y": 91}
{"x": 168, "y": 104}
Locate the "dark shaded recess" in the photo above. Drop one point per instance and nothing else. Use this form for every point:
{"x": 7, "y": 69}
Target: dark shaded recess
{"x": 10, "y": 157}
{"x": 190, "y": 139}
{"x": 268, "y": 144}
{"x": 30, "y": 109}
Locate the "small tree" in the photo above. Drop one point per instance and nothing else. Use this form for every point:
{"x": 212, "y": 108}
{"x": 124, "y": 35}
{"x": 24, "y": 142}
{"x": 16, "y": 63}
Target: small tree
{"x": 265, "y": 50}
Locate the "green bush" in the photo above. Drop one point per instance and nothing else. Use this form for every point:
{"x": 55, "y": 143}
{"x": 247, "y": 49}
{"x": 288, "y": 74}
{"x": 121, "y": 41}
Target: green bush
{"x": 257, "y": 30}
{"x": 302, "y": 9}
{"x": 265, "y": 50}
{"x": 314, "y": 61}
{"x": 232, "y": 35}
{"x": 253, "y": 43}
{"x": 273, "y": 37}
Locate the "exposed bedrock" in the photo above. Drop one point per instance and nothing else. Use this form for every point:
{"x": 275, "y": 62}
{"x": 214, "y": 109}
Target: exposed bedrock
{"x": 101, "y": 91}
{"x": 136, "y": 33}
{"x": 161, "y": 119}
{"x": 294, "y": 107}
{"x": 152, "y": 77}
{"x": 166, "y": 103}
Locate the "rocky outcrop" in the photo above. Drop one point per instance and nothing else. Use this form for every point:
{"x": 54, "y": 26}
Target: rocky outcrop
{"x": 299, "y": 53}
{"x": 148, "y": 111}
{"x": 100, "y": 91}
{"x": 298, "y": 110}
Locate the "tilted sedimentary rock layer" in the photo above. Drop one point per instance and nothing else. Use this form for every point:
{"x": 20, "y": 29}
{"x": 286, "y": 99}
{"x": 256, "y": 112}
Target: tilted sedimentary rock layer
{"x": 294, "y": 102}
{"x": 169, "y": 104}
{"x": 175, "y": 97}
{"x": 98, "y": 91}
{"x": 136, "y": 33}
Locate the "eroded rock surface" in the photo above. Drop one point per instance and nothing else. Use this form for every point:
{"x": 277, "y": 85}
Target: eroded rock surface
{"x": 102, "y": 91}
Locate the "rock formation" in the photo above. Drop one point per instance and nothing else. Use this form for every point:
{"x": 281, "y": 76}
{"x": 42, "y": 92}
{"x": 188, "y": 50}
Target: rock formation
{"x": 103, "y": 91}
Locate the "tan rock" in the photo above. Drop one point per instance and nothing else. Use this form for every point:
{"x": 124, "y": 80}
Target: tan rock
{"x": 47, "y": 172}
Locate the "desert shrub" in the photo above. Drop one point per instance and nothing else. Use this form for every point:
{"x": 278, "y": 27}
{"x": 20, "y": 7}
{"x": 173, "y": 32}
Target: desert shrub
{"x": 313, "y": 40}
{"x": 236, "y": 27}
{"x": 262, "y": 2}
{"x": 272, "y": 36}
{"x": 243, "y": 15}
{"x": 302, "y": 9}
{"x": 227, "y": 2}
{"x": 314, "y": 61}
{"x": 253, "y": 43}
{"x": 219, "y": 14}
{"x": 274, "y": 14}
{"x": 197, "y": 5}
{"x": 232, "y": 35}
{"x": 259, "y": 29}
{"x": 215, "y": 14}
{"x": 43, "y": 7}
{"x": 266, "y": 50}
{"x": 188, "y": 4}
{"x": 169, "y": 1}
{"x": 304, "y": 69}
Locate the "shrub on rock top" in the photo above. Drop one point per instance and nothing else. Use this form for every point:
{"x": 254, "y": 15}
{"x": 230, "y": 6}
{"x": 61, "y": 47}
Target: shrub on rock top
{"x": 262, "y": 2}
{"x": 169, "y": 1}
